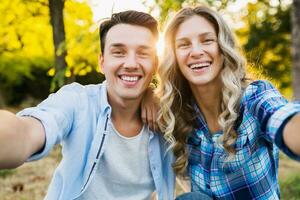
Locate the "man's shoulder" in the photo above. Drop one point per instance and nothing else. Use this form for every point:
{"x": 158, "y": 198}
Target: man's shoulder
{"x": 91, "y": 89}
{"x": 93, "y": 95}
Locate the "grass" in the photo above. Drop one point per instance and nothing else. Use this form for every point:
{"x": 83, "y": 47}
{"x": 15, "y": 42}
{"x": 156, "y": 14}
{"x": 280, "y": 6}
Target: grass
{"x": 6, "y": 172}
{"x": 30, "y": 181}
{"x": 289, "y": 178}
{"x": 290, "y": 187}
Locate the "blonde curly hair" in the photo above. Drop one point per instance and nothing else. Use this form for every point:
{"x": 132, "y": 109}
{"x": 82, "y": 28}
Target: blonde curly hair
{"x": 177, "y": 116}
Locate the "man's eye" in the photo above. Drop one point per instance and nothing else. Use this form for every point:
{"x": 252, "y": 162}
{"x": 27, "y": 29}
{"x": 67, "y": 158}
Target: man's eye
{"x": 118, "y": 53}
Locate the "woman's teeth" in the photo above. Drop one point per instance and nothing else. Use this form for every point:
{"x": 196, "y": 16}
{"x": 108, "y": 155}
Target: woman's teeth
{"x": 199, "y": 65}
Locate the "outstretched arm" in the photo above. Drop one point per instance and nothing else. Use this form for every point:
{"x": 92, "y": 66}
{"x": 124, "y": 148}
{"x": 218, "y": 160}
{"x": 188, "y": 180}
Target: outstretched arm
{"x": 20, "y": 137}
{"x": 291, "y": 134}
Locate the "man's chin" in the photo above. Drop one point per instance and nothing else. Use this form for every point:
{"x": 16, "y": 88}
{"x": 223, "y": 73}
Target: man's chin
{"x": 130, "y": 95}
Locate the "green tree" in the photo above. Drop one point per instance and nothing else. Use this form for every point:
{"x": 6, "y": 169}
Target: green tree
{"x": 296, "y": 48}
{"x": 56, "y": 8}
{"x": 82, "y": 40}
{"x": 24, "y": 43}
{"x": 27, "y": 49}
{"x": 268, "y": 44}
{"x": 168, "y": 7}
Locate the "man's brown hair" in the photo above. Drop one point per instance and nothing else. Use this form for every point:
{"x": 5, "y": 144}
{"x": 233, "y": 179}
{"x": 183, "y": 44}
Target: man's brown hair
{"x": 127, "y": 17}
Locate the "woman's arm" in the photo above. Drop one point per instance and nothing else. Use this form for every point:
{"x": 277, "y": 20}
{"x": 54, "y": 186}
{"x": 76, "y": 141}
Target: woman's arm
{"x": 291, "y": 134}
{"x": 149, "y": 108}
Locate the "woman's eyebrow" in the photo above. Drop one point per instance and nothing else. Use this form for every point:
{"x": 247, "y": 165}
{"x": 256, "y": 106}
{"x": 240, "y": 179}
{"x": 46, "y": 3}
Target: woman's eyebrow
{"x": 200, "y": 35}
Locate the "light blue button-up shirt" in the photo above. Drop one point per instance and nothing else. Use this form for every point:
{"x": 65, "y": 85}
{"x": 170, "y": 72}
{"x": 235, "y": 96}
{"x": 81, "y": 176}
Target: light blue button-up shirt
{"x": 76, "y": 117}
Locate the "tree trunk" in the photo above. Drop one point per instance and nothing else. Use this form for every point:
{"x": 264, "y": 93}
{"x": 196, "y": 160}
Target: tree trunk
{"x": 57, "y": 21}
{"x": 296, "y": 48}
{"x": 2, "y": 103}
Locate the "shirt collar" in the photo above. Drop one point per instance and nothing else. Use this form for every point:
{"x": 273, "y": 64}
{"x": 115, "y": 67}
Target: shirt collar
{"x": 104, "y": 105}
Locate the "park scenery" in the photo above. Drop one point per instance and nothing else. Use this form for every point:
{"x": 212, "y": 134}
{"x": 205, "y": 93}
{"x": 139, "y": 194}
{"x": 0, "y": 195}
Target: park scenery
{"x": 45, "y": 44}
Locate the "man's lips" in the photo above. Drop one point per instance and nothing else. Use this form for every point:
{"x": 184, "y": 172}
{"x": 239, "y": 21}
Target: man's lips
{"x": 130, "y": 78}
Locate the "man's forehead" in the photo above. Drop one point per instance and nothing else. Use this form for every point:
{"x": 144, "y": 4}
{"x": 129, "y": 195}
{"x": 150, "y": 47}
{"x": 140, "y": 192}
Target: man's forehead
{"x": 125, "y": 34}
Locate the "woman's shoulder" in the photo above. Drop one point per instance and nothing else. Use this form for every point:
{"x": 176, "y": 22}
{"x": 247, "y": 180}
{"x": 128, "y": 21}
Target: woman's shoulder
{"x": 259, "y": 88}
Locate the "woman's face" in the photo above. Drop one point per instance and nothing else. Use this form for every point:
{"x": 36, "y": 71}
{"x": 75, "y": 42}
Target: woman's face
{"x": 197, "y": 52}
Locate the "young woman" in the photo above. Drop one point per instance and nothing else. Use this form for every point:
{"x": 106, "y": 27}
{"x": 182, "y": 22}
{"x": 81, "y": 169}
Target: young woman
{"x": 225, "y": 129}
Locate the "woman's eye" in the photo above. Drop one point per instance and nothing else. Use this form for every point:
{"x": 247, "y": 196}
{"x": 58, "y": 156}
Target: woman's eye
{"x": 182, "y": 45}
{"x": 143, "y": 54}
{"x": 209, "y": 41}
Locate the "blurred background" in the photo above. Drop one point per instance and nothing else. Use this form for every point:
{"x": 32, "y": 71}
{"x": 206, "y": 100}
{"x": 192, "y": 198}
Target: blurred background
{"x": 45, "y": 44}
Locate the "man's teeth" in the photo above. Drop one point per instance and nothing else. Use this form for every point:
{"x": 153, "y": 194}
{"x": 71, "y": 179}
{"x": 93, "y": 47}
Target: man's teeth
{"x": 199, "y": 65}
{"x": 130, "y": 78}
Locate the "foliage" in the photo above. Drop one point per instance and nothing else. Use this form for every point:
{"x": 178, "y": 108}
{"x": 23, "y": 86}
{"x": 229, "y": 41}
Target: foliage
{"x": 169, "y": 7}
{"x": 81, "y": 43}
{"x": 22, "y": 38}
{"x": 26, "y": 45}
{"x": 82, "y": 39}
{"x": 269, "y": 41}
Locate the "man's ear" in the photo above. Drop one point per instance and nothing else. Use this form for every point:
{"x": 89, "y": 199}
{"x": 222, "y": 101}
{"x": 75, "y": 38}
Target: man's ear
{"x": 100, "y": 62}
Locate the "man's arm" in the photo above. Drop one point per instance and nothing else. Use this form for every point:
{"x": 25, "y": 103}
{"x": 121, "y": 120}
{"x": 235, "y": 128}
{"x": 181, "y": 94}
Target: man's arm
{"x": 291, "y": 134}
{"x": 20, "y": 137}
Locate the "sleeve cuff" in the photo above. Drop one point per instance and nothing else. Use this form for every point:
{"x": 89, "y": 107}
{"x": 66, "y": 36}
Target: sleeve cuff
{"x": 49, "y": 127}
{"x": 277, "y": 123}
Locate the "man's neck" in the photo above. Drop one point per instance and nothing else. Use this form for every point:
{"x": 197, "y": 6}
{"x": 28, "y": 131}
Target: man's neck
{"x": 126, "y": 116}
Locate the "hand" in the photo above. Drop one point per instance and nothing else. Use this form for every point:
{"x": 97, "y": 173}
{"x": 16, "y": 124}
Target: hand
{"x": 149, "y": 108}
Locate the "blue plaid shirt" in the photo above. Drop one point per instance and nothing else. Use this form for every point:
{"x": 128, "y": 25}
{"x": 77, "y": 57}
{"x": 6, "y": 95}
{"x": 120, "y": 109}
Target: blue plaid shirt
{"x": 252, "y": 172}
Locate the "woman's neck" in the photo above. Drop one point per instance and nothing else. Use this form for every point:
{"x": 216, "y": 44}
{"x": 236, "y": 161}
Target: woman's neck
{"x": 208, "y": 99}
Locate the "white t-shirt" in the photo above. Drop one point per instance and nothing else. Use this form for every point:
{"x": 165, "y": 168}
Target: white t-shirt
{"x": 123, "y": 172}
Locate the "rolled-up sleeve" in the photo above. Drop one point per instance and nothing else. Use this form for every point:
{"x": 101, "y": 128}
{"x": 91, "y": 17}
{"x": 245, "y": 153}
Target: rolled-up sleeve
{"x": 56, "y": 113}
{"x": 277, "y": 123}
{"x": 272, "y": 111}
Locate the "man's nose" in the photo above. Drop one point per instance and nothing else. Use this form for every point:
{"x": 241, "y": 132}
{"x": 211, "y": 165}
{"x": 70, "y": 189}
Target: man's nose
{"x": 131, "y": 62}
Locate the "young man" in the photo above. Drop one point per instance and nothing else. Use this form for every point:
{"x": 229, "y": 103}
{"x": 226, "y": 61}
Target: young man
{"x": 107, "y": 151}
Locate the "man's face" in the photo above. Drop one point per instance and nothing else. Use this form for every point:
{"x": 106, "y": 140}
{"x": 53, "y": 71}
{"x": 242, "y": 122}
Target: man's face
{"x": 129, "y": 61}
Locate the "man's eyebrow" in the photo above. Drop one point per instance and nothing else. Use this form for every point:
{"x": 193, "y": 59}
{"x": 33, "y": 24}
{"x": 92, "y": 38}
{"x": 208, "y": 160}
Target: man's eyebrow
{"x": 117, "y": 45}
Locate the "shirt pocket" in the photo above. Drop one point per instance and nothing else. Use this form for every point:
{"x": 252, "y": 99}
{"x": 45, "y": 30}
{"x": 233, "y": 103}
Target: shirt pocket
{"x": 235, "y": 162}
